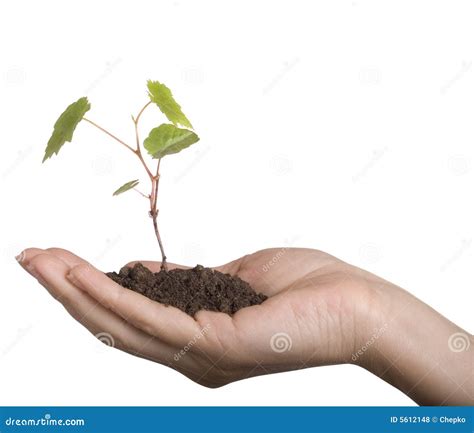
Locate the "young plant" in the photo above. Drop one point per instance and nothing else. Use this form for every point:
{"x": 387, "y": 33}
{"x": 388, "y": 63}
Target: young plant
{"x": 166, "y": 139}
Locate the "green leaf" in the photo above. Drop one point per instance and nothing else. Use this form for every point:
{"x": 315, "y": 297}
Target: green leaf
{"x": 168, "y": 139}
{"x": 65, "y": 126}
{"x": 162, "y": 96}
{"x": 127, "y": 186}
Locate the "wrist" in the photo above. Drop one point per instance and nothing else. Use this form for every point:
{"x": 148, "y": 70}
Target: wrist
{"x": 409, "y": 345}
{"x": 372, "y": 321}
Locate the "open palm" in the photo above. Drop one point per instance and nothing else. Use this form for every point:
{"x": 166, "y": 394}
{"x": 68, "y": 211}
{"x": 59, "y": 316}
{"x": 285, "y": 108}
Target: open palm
{"x": 309, "y": 319}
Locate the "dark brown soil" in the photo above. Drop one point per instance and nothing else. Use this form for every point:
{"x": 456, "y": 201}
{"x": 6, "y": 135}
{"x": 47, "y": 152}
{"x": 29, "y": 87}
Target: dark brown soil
{"x": 190, "y": 290}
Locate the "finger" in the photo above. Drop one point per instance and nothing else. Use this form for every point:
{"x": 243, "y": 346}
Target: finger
{"x": 229, "y": 268}
{"x": 272, "y": 270}
{"x": 252, "y": 274}
{"x": 100, "y": 321}
{"x": 155, "y": 266}
{"x": 26, "y": 255}
{"x": 232, "y": 267}
{"x": 66, "y": 256}
{"x": 167, "y": 323}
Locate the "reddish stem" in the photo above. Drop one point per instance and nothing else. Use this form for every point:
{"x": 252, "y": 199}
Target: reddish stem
{"x": 155, "y": 179}
{"x": 109, "y": 134}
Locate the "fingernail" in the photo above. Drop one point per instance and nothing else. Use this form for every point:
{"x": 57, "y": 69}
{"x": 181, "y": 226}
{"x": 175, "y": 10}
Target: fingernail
{"x": 20, "y": 257}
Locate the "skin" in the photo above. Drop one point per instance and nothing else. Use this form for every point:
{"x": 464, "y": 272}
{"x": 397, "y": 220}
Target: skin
{"x": 320, "y": 311}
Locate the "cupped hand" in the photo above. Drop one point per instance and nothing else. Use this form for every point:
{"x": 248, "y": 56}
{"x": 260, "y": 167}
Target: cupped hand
{"x": 319, "y": 311}
{"x": 312, "y": 316}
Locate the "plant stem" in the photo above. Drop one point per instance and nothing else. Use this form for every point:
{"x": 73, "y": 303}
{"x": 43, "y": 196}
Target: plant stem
{"x": 138, "y": 150}
{"x": 135, "y": 151}
{"x": 139, "y": 192}
{"x": 164, "y": 263}
{"x": 140, "y": 157}
{"x": 155, "y": 180}
{"x": 154, "y": 214}
{"x": 141, "y": 111}
{"x": 109, "y": 134}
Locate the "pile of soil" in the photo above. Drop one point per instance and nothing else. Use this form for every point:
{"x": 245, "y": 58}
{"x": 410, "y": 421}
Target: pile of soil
{"x": 190, "y": 290}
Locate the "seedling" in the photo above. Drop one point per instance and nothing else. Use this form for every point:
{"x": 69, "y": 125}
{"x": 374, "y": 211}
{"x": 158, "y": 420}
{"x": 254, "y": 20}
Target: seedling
{"x": 190, "y": 290}
{"x": 166, "y": 139}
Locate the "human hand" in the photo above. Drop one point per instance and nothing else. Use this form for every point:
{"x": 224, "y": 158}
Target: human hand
{"x": 320, "y": 311}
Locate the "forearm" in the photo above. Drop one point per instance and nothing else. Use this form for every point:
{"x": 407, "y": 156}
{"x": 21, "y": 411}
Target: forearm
{"x": 420, "y": 352}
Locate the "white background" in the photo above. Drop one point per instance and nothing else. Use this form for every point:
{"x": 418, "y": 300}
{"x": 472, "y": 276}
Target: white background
{"x": 344, "y": 126}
